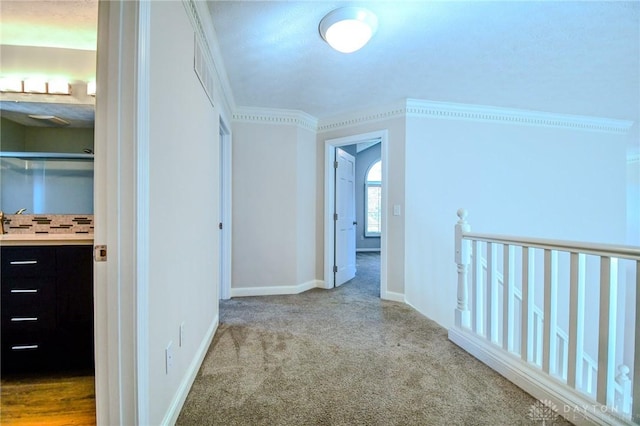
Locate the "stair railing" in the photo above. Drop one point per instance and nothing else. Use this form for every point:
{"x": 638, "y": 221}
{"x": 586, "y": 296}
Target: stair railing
{"x": 492, "y": 305}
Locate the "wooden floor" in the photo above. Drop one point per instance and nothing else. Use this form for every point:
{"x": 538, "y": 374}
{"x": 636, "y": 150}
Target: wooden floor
{"x": 48, "y": 401}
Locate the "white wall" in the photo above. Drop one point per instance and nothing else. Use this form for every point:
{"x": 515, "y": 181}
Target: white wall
{"x": 306, "y": 206}
{"x": 264, "y": 205}
{"x": 274, "y": 218}
{"x": 633, "y": 200}
{"x": 513, "y": 179}
{"x": 183, "y": 205}
{"x": 25, "y": 61}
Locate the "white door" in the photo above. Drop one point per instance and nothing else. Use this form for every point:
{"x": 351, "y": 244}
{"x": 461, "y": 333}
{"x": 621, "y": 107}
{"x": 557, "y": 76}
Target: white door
{"x": 345, "y": 218}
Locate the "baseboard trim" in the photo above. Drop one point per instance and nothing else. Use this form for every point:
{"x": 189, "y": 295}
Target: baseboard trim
{"x": 190, "y": 375}
{"x": 394, "y": 297}
{"x": 368, "y": 250}
{"x": 570, "y": 404}
{"x": 276, "y": 290}
{"x": 324, "y": 284}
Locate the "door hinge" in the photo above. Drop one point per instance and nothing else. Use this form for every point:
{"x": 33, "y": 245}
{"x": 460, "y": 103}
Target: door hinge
{"x": 220, "y": 225}
{"x": 335, "y": 216}
{"x": 100, "y": 253}
{"x": 335, "y": 269}
{"x": 335, "y": 164}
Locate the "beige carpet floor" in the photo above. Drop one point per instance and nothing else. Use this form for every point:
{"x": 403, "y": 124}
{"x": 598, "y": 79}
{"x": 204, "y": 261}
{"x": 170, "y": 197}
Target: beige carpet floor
{"x": 344, "y": 357}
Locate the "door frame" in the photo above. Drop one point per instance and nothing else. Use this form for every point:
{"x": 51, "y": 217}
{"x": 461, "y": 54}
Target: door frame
{"x": 225, "y": 211}
{"x": 121, "y": 212}
{"x": 329, "y": 202}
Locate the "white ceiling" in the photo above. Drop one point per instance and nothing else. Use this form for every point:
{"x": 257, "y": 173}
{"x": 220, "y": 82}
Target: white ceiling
{"x": 70, "y": 24}
{"x": 579, "y": 57}
{"x": 565, "y": 57}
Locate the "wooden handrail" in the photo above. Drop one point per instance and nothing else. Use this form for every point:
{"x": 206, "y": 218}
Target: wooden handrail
{"x": 609, "y": 250}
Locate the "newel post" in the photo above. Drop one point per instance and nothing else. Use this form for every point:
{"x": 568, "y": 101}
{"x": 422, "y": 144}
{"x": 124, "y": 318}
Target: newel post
{"x": 624, "y": 381}
{"x": 463, "y": 258}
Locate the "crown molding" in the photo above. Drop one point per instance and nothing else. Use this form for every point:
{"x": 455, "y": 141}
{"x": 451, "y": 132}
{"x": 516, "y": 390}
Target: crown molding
{"x": 275, "y": 116}
{"x": 480, "y": 113}
{"x": 205, "y": 31}
{"x": 483, "y": 113}
{"x": 371, "y": 115}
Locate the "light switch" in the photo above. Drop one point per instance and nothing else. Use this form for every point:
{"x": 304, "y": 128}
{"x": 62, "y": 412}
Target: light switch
{"x": 396, "y": 209}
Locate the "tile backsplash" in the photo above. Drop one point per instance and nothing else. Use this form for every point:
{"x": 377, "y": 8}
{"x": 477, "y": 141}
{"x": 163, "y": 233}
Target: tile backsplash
{"x": 48, "y": 224}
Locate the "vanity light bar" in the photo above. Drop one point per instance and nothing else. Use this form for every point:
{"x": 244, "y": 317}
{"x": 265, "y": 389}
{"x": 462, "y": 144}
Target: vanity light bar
{"x": 8, "y": 84}
{"x": 35, "y": 85}
{"x": 59, "y": 87}
{"x": 91, "y": 88}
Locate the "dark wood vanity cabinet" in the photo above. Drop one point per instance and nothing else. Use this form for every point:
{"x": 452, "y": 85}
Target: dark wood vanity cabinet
{"x": 46, "y": 308}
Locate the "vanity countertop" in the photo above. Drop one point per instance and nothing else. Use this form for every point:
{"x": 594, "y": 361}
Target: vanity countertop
{"x": 45, "y": 239}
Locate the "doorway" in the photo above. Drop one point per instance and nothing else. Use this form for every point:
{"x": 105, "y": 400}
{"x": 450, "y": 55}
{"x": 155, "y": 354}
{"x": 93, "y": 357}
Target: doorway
{"x": 55, "y": 41}
{"x": 330, "y": 205}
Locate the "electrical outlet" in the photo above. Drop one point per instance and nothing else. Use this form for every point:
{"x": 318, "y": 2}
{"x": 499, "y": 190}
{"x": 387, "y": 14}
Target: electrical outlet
{"x": 168, "y": 352}
{"x": 182, "y": 335}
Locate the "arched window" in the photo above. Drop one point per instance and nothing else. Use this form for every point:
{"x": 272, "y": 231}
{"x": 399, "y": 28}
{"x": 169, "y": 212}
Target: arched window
{"x": 373, "y": 201}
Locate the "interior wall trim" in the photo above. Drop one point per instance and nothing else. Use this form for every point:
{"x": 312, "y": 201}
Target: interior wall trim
{"x": 142, "y": 210}
{"x": 372, "y": 115}
{"x": 394, "y": 297}
{"x": 171, "y": 416}
{"x": 276, "y": 290}
{"x": 468, "y": 112}
{"x": 484, "y": 113}
{"x": 571, "y": 404}
{"x": 275, "y": 116}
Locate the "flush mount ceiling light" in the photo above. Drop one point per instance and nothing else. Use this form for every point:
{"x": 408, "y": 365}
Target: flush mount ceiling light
{"x": 349, "y": 28}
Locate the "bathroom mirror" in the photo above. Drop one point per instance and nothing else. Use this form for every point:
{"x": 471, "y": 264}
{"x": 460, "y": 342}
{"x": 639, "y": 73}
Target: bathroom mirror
{"x": 46, "y": 162}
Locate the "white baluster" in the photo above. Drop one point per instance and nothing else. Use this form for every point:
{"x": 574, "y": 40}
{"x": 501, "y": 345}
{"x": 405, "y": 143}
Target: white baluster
{"x": 624, "y": 382}
{"x": 491, "y": 293}
{"x": 463, "y": 258}
{"x": 550, "y": 311}
{"x": 538, "y": 335}
{"x": 576, "y": 320}
{"x": 607, "y": 329}
{"x": 591, "y": 371}
{"x": 527, "y": 325}
{"x": 508, "y": 299}
{"x": 478, "y": 286}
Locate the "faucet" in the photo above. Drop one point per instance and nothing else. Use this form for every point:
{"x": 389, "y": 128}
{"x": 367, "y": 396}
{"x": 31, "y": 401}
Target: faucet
{"x": 20, "y": 211}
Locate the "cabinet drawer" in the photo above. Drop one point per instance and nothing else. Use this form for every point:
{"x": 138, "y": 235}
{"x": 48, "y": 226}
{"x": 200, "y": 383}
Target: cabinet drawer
{"x": 28, "y": 303}
{"x": 23, "y": 341}
{"x": 27, "y": 352}
{"x": 27, "y": 261}
{"x": 27, "y": 321}
{"x": 25, "y": 286}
